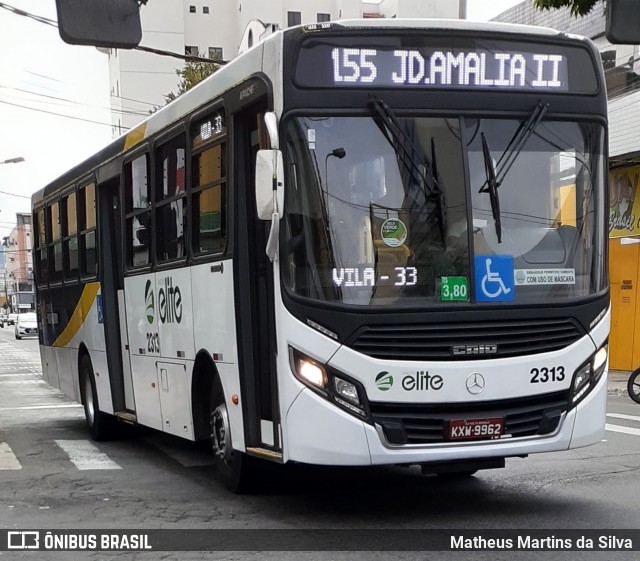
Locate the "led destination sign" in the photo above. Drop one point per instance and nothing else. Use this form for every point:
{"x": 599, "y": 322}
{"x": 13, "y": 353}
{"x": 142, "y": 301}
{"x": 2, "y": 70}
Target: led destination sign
{"x": 468, "y": 64}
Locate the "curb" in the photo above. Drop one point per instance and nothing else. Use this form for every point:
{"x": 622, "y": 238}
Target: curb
{"x": 618, "y": 391}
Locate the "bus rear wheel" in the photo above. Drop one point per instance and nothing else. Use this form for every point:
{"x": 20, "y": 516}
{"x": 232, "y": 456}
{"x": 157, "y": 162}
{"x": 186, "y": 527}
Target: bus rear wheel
{"x": 100, "y": 424}
{"x": 235, "y": 469}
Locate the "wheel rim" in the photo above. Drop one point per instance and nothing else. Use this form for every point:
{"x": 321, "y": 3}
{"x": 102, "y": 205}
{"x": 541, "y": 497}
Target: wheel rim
{"x": 88, "y": 401}
{"x": 221, "y": 434}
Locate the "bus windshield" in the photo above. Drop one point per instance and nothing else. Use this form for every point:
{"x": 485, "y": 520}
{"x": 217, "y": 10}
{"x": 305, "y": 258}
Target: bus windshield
{"x": 394, "y": 211}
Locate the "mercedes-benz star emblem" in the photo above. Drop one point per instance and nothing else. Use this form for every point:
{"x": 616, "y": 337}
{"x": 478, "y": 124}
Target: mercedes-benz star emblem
{"x": 475, "y": 383}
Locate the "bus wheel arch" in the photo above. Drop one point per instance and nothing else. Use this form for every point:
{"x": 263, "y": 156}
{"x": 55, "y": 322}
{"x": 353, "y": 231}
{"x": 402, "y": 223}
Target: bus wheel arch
{"x": 211, "y": 422}
{"x": 100, "y": 425}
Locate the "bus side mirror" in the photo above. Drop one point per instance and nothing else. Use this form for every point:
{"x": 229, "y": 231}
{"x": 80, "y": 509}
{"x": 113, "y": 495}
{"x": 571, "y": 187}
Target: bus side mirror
{"x": 269, "y": 184}
{"x": 623, "y": 22}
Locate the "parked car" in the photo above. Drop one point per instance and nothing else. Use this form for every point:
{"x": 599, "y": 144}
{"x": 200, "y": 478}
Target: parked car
{"x": 27, "y": 325}
{"x": 11, "y": 320}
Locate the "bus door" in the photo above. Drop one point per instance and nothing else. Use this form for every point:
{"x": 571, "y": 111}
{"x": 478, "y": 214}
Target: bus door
{"x": 253, "y": 274}
{"x": 112, "y": 299}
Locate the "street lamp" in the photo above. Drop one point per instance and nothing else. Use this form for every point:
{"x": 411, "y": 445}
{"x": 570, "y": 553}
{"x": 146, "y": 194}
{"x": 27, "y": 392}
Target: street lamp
{"x": 13, "y": 160}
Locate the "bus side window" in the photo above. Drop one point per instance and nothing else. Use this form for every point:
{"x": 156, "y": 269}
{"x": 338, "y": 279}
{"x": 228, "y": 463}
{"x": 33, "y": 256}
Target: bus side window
{"x": 55, "y": 249}
{"x": 171, "y": 207}
{"x": 87, "y": 225}
{"x": 70, "y": 236}
{"x": 41, "y": 251}
{"x": 138, "y": 212}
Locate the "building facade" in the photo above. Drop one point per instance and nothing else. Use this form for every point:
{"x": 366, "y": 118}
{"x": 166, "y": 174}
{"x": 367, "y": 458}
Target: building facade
{"x": 209, "y": 28}
{"x": 17, "y": 274}
{"x": 622, "y": 70}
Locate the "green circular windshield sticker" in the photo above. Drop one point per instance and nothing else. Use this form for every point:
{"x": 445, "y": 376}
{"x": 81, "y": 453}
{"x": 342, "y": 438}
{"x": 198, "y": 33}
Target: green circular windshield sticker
{"x": 393, "y": 232}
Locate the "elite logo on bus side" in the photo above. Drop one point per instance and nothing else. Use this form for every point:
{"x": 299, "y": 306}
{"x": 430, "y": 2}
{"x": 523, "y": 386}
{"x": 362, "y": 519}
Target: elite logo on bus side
{"x": 169, "y": 301}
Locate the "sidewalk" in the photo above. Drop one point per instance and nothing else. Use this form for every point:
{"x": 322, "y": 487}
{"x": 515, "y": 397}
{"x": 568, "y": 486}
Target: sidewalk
{"x": 618, "y": 382}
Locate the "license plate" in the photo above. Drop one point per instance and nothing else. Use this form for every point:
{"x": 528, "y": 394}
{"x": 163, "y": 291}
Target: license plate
{"x": 474, "y": 429}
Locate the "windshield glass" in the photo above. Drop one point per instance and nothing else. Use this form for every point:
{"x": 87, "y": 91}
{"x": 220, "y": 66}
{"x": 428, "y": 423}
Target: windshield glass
{"x": 376, "y": 211}
{"x": 551, "y": 210}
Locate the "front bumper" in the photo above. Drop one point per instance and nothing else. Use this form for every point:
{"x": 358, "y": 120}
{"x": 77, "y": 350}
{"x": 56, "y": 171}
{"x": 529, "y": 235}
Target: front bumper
{"x": 317, "y": 432}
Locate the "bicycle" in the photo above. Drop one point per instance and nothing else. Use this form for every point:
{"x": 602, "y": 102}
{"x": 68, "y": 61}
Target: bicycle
{"x": 633, "y": 385}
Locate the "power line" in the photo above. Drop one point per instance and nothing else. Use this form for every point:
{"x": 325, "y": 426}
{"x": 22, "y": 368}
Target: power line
{"x": 15, "y": 195}
{"x": 60, "y": 114}
{"x": 132, "y": 112}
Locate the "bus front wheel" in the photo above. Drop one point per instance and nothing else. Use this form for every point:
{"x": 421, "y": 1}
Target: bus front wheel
{"x": 100, "y": 424}
{"x": 234, "y": 468}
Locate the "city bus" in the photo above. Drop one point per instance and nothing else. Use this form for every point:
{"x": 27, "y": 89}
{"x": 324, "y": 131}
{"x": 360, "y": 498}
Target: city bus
{"x": 363, "y": 242}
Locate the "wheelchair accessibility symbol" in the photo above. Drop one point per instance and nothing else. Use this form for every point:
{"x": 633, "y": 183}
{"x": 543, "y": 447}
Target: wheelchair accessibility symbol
{"x": 494, "y": 278}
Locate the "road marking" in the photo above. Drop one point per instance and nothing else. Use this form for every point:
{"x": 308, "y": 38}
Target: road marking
{"x": 626, "y": 430}
{"x": 8, "y": 459}
{"x": 85, "y": 455}
{"x": 622, "y": 416}
{"x": 32, "y": 407}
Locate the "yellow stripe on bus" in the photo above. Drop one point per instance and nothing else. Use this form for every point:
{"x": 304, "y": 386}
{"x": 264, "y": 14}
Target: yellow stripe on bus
{"x": 79, "y": 314}
{"x": 134, "y": 136}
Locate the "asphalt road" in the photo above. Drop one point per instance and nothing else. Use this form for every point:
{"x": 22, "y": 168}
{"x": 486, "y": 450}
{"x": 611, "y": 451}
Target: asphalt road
{"x": 53, "y": 476}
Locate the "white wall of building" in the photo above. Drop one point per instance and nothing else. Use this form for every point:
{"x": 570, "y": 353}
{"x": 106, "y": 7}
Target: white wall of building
{"x": 420, "y": 9}
{"x": 140, "y": 80}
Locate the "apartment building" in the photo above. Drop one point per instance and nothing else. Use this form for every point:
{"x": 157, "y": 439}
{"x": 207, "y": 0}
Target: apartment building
{"x": 17, "y": 274}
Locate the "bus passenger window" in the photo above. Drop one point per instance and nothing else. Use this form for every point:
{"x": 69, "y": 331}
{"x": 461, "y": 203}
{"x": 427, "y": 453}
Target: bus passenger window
{"x": 88, "y": 229}
{"x": 171, "y": 208}
{"x": 138, "y": 212}
{"x": 41, "y": 253}
{"x": 70, "y": 235}
{"x": 55, "y": 248}
{"x": 209, "y": 200}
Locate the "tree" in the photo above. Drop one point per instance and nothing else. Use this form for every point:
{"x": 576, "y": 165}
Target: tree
{"x": 192, "y": 74}
{"x": 578, "y": 7}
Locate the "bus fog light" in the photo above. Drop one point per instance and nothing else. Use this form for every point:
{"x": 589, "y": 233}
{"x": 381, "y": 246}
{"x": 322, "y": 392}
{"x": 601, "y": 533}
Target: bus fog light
{"x": 346, "y": 390}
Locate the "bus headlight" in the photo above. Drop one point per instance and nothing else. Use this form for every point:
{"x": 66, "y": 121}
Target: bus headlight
{"x": 587, "y": 376}
{"x": 334, "y": 386}
{"x": 308, "y": 371}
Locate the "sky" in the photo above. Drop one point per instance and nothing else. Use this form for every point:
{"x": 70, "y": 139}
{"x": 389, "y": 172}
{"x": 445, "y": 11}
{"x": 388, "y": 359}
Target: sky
{"x": 54, "y": 101}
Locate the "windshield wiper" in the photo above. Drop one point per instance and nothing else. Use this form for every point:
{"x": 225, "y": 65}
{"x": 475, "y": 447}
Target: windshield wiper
{"x": 496, "y": 173}
{"x": 421, "y": 171}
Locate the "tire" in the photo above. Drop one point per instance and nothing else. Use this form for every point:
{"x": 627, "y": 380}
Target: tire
{"x": 100, "y": 425}
{"x": 633, "y": 385}
{"x": 234, "y": 468}
{"x": 18, "y": 337}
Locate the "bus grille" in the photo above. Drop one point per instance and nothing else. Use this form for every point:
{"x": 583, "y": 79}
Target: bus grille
{"x": 492, "y": 339}
{"x": 426, "y": 423}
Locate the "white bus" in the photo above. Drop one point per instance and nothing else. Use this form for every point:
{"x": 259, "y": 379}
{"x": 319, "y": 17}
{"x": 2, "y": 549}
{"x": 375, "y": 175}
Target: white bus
{"x": 359, "y": 243}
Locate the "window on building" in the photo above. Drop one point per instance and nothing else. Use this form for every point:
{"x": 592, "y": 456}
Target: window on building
{"x": 208, "y": 181}
{"x": 170, "y": 193}
{"x": 87, "y": 228}
{"x": 191, "y": 50}
{"x": 137, "y": 208}
{"x": 294, "y": 18}
{"x": 324, "y": 17}
{"x": 192, "y": 9}
{"x": 215, "y": 53}
{"x": 205, "y": 9}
